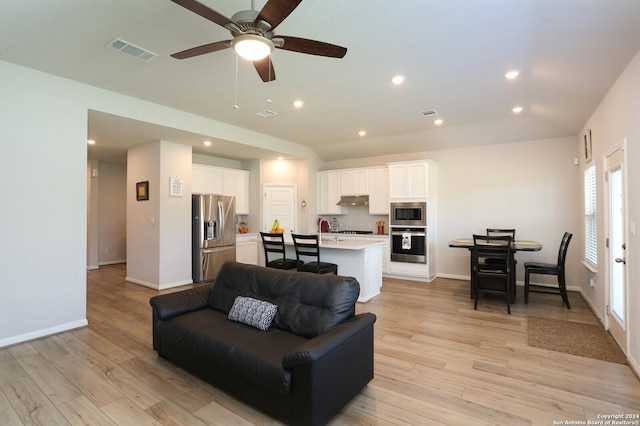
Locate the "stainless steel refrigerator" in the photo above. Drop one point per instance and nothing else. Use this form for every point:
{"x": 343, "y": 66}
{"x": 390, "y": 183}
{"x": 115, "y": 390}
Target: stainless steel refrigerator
{"x": 214, "y": 234}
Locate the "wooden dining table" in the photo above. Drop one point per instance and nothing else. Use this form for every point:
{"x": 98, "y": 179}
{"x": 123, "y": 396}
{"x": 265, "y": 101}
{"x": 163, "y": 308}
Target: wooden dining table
{"x": 517, "y": 245}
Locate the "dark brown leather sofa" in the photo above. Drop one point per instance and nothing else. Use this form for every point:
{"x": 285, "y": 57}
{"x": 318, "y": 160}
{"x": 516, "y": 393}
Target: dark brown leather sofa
{"x": 313, "y": 359}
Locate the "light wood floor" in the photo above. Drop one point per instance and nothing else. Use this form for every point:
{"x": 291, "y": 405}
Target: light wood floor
{"x": 437, "y": 361}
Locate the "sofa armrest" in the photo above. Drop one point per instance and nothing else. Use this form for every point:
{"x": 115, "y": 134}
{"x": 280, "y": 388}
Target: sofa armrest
{"x": 314, "y": 349}
{"x": 170, "y": 305}
{"x": 329, "y": 370}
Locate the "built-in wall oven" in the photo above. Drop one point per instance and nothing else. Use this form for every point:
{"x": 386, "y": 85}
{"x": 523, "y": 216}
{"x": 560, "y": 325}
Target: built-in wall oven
{"x": 408, "y": 214}
{"x": 409, "y": 245}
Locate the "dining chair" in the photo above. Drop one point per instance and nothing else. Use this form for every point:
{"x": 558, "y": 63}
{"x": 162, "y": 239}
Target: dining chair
{"x": 495, "y": 276}
{"x": 549, "y": 269}
{"x": 309, "y": 246}
{"x": 496, "y": 232}
{"x": 274, "y": 243}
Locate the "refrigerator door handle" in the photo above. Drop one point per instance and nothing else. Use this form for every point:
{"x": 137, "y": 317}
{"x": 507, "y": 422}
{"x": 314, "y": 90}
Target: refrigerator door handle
{"x": 221, "y": 219}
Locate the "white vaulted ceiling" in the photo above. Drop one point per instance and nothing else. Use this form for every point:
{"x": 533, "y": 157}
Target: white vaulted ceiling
{"x": 453, "y": 53}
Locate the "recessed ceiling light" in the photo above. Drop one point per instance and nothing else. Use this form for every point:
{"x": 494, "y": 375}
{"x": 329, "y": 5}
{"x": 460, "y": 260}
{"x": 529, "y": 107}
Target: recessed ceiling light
{"x": 207, "y": 143}
{"x": 517, "y": 109}
{"x": 438, "y": 121}
{"x": 91, "y": 142}
{"x": 280, "y": 158}
{"x": 512, "y": 74}
{"x": 362, "y": 133}
{"x": 298, "y": 103}
{"x": 398, "y": 79}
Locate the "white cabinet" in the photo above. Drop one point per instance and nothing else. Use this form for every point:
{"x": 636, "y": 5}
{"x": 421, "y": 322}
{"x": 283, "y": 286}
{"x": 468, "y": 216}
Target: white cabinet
{"x": 379, "y": 191}
{"x": 409, "y": 180}
{"x": 385, "y": 257}
{"x": 371, "y": 181}
{"x": 213, "y": 180}
{"x": 218, "y": 180}
{"x": 354, "y": 182}
{"x": 247, "y": 249}
{"x": 236, "y": 183}
{"x": 329, "y": 193}
{"x": 197, "y": 179}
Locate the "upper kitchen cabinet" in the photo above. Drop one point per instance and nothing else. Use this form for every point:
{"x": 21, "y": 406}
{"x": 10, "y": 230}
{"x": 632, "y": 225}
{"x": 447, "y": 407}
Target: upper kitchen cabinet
{"x": 219, "y": 180}
{"x": 411, "y": 180}
{"x": 379, "y": 190}
{"x": 354, "y": 182}
{"x": 371, "y": 181}
{"x": 236, "y": 182}
{"x": 329, "y": 191}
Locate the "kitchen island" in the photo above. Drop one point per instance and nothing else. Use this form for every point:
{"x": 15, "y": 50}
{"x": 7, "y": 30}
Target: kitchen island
{"x": 359, "y": 258}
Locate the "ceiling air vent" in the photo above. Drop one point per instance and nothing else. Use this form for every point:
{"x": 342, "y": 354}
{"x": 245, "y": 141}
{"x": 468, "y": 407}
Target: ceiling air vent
{"x": 132, "y": 50}
{"x": 266, "y": 113}
{"x": 428, "y": 113}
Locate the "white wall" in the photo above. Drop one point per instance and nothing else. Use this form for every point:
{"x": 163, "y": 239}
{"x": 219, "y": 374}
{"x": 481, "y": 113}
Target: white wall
{"x": 616, "y": 118}
{"x": 93, "y": 198}
{"x": 159, "y": 229}
{"x": 112, "y": 213}
{"x": 143, "y": 217}
{"x": 175, "y": 217}
{"x": 288, "y": 172}
{"x": 43, "y": 132}
{"x": 43, "y": 218}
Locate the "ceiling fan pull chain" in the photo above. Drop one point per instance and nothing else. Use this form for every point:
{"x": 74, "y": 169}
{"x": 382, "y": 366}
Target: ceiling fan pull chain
{"x": 236, "y": 104}
{"x": 268, "y": 86}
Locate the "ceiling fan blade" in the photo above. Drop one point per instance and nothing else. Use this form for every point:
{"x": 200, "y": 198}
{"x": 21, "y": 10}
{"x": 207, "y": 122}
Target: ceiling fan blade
{"x": 265, "y": 69}
{"x": 312, "y": 47}
{"x": 201, "y": 50}
{"x": 276, "y": 11}
{"x": 204, "y": 11}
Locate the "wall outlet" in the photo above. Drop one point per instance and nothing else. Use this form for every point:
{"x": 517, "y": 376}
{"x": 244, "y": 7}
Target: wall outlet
{"x": 592, "y": 282}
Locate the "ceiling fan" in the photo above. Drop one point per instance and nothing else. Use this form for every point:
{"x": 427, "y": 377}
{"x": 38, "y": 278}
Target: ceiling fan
{"x": 255, "y": 30}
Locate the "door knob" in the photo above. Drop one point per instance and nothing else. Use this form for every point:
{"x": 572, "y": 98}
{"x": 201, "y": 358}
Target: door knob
{"x": 620, "y": 260}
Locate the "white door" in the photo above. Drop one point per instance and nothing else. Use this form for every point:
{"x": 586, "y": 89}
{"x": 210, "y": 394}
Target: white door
{"x": 616, "y": 244}
{"x": 279, "y": 202}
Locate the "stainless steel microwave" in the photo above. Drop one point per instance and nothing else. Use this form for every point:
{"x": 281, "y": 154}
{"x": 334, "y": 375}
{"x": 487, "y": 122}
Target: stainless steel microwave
{"x": 408, "y": 214}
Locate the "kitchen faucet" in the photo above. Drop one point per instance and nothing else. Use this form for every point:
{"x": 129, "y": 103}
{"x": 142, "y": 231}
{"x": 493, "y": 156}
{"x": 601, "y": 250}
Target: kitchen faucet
{"x": 320, "y": 228}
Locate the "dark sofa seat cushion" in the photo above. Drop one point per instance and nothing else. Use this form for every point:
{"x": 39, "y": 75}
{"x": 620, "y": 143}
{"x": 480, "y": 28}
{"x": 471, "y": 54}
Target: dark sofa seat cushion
{"x": 254, "y": 354}
{"x": 308, "y": 304}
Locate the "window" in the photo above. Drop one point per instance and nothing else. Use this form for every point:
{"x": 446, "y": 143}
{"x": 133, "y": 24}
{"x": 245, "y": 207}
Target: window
{"x": 590, "y": 222}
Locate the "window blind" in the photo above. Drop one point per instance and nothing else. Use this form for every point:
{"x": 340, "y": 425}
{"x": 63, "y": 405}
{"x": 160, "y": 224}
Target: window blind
{"x": 590, "y": 222}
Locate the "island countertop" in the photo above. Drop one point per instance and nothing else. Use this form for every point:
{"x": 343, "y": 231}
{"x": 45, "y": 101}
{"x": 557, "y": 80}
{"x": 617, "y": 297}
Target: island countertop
{"x": 346, "y": 244}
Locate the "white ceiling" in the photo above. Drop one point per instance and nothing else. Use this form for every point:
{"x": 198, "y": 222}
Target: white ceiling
{"x": 454, "y": 54}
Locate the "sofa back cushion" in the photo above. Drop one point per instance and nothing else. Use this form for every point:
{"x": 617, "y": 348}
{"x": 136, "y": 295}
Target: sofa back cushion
{"x": 308, "y": 304}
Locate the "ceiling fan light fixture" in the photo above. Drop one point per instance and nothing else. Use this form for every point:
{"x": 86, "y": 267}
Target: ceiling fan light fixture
{"x": 252, "y": 46}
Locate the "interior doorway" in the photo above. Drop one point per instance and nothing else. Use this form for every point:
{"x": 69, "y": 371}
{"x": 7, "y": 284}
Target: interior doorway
{"x": 279, "y": 202}
{"x": 616, "y": 277}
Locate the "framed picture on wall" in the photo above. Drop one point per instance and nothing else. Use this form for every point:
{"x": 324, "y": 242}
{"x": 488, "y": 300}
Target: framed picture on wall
{"x": 587, "y": 145}
{"x": 142, "y": 190}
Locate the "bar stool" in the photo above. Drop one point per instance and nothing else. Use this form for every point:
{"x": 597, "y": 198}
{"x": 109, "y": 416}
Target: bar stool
{"x": 308, "y": 246}
{"x": 274, "y": 243}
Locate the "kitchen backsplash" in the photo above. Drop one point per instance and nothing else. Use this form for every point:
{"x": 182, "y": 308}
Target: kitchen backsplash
{"x": 359, "y": 219}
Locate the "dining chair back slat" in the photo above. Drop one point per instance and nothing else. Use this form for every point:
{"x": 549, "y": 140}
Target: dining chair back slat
{"x": 494, "y": 276}
{"x": 274, "y": 243}
{"x": 309, "y": 246}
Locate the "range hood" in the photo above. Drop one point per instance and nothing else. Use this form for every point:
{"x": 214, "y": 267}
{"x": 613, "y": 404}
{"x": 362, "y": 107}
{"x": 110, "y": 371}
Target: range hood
{"x": 354, "y": 200}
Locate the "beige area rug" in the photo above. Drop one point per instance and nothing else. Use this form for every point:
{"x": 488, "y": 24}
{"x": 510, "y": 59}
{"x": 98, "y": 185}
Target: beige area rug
{"x": 587, "y": 340}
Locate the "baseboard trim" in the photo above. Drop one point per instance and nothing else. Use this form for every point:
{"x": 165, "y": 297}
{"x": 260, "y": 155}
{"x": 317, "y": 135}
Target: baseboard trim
{"x": 112, "y": 262}
{"x": 42, "y": 333}
{"x": 158, "y": 286}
